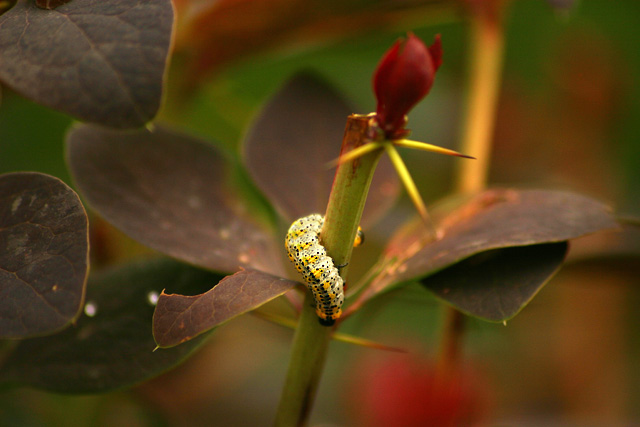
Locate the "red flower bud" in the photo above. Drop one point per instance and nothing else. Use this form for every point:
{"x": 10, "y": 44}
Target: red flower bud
{"x": 403, "y": 77}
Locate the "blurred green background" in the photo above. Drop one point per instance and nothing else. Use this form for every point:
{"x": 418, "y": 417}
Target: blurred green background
{"x": 569, "y": 117}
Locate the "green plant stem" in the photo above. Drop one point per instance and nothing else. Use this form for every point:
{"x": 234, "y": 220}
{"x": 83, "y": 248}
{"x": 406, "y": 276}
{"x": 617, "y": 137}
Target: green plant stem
{"x": 311, "y": 340}
{"x": 308, "y": 354}
{"x": 486, "y": 37}
{"x": 349, "y": 193}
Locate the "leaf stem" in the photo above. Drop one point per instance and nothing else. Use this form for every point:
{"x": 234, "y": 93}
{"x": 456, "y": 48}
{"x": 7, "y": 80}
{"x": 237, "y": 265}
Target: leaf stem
{"x": 486, "y": 36}
{"x": 311, "y": 340}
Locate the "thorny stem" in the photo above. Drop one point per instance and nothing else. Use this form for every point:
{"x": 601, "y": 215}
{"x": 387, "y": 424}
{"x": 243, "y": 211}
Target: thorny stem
{"x": 486, "y": 55}
{"x": 311, "y": 340}
{"x": 349, "y": 193}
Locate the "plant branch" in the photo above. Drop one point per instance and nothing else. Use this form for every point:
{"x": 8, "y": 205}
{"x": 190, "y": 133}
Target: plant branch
{"x": 487, "y": 45}
{"x": 349, "y": 193}
{"x": 310, "y": 344}
{"x": 311, "y": 340}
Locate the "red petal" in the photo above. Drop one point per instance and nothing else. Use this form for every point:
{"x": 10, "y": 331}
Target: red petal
{"x": 436, "y": 52}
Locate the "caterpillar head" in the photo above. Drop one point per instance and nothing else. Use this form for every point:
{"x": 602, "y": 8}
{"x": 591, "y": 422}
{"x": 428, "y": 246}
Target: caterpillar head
{"x": 328, "y": 319}
{"x": 327, "y": 322}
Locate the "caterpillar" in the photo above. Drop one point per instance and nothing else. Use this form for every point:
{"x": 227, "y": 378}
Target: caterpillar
{"x": 317, "y": 268}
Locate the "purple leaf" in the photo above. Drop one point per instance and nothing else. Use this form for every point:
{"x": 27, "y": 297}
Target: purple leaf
{"x": 287, "y": 149}
{"x": 44, "y": 249}
{"x": 495, "y": 285}
{"x": 492, "y": 220}
{"x": 170, "y": 192}
{"x": 101, "y": 61}
{"x": 112, "y": 346}
{"x": 179, "y": 318}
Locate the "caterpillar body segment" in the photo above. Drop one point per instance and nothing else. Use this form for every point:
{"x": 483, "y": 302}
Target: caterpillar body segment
{"x": 317, "y": 268}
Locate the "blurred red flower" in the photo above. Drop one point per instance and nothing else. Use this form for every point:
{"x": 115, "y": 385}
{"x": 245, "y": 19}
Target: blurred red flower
{"x": 402, "y": 391}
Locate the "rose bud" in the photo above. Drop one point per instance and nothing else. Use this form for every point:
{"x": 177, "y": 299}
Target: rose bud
{"x": 403, "y": 77}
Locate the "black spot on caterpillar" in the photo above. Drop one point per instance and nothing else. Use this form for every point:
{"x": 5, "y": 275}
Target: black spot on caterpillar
{"x": 317, "y": 268}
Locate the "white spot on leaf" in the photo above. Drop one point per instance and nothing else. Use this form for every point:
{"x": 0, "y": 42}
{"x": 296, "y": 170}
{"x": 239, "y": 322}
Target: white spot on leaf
{"x": 16, "y": 204}
{"x": 90, "y": 309}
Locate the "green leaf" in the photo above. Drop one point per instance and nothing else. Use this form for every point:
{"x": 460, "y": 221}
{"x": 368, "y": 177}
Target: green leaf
{"x": 44, "y": 249}
{"x": 113, "y": 347}
{"x": 179, "y": 318}
{"x": 287, "y": 149}
{"x": 101, "y": 61}
{"x": 495, "y": 285}
{"x": 170, "y": 192}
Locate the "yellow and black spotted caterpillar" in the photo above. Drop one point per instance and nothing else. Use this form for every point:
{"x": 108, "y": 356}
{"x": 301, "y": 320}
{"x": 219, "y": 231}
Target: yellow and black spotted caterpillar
{"x": 317, "y": 268}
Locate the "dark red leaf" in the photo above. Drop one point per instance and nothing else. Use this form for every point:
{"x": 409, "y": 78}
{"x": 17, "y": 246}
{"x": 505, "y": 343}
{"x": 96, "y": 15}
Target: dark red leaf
{"x": 287, "y": 149}
{"x": 44, "y": 249}
{"x": 113, "y": 347}
{"x": 101, "y": 61}
{"x": 495, "y": 285}
{"x": 259, "y": 26}
{"x": 172, "y": 193}
{"x": 492, "y": 220}
{"x": 179, "y": 318}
